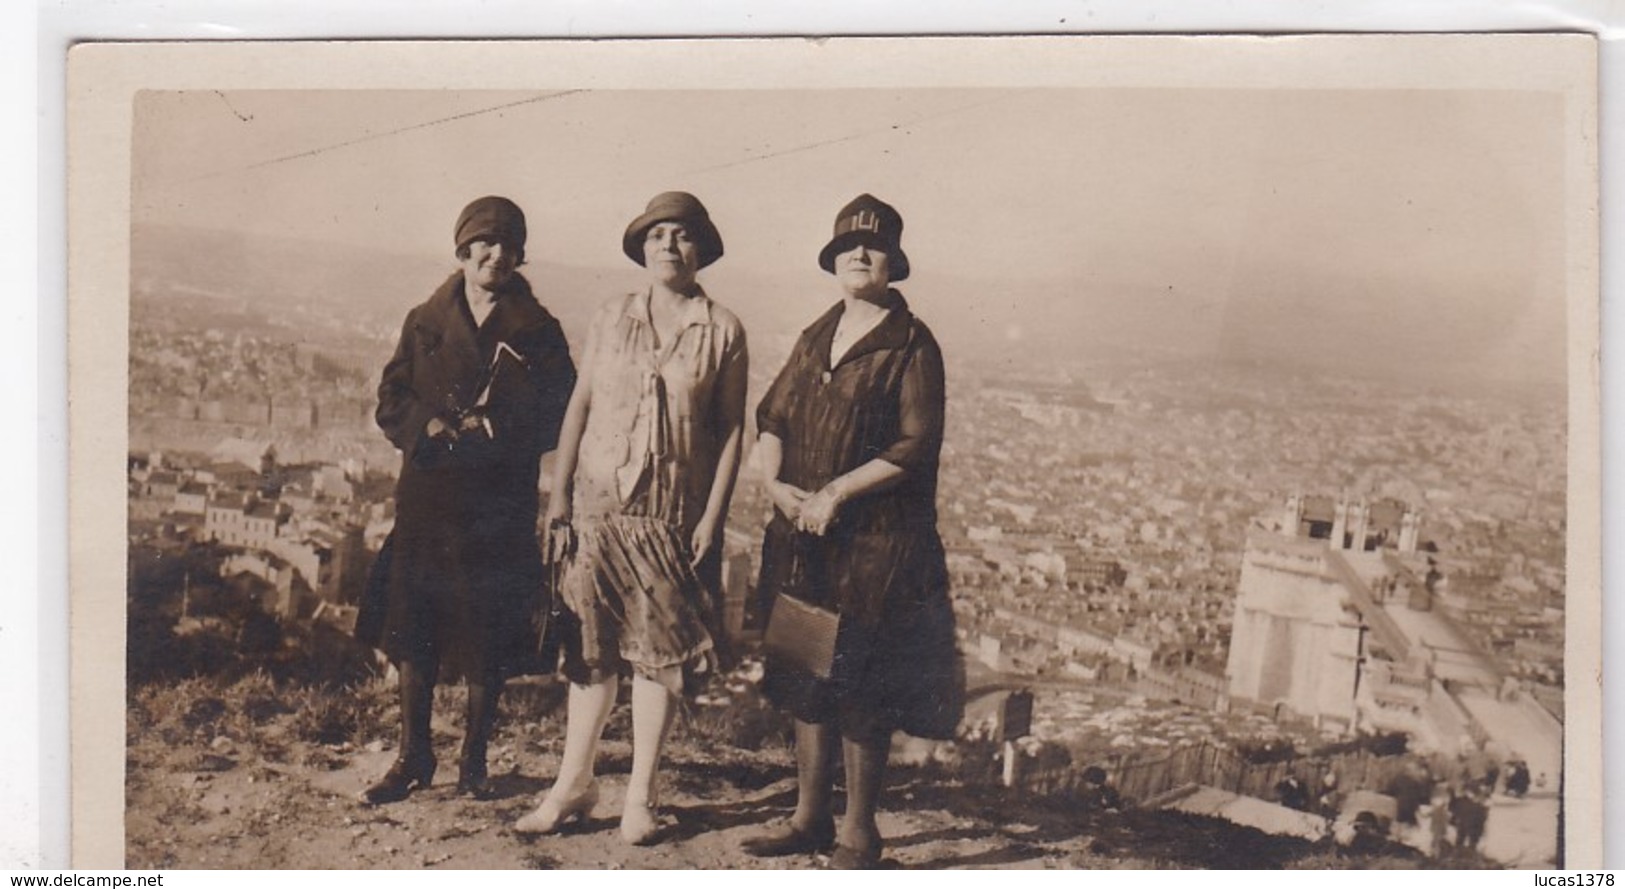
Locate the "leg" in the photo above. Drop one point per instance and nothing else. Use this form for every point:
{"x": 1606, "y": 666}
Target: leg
{"x": 587, "y": 713}
{"x": 574, "y": 793}
{"x": 417, "y": 705}
{"x": 651, "y": 717}
{"x": 812, "y": 827}
{"x": 815, "y": 777}
{"x": 481, "y": 717}
{"x": 414, "y": 764}
{"x": 865, "y": 780}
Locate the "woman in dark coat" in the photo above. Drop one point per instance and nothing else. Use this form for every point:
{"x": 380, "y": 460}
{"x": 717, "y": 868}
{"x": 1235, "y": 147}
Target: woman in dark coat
{"x": 851, "y": 432}
{"x": 473, "y": 396}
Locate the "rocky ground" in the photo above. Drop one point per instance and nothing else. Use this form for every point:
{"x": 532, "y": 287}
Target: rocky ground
{"x": 259, "y": 775}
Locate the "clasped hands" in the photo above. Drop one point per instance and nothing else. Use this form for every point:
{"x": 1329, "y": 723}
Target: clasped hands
{"x": 809, "y": 512}
{"x": 472, "y": 423}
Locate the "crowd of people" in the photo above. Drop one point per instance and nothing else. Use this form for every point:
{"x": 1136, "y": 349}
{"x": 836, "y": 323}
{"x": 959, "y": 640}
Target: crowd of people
{"x": 619, "y": 579}
{"x": 1450, "y": 799}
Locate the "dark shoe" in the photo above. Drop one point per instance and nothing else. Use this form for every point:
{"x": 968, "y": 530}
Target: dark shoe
{"x": 848, "y": 858}
{"x": 472, "y": 781}
{"x": 405, "y": 776}
{"x": 792, "y": 840}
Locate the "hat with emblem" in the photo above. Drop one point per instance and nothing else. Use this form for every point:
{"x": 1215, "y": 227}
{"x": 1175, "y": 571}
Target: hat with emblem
{"x": 870, "y": 221}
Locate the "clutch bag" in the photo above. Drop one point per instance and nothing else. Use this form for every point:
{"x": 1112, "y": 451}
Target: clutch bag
{"x": 802, "y": 635}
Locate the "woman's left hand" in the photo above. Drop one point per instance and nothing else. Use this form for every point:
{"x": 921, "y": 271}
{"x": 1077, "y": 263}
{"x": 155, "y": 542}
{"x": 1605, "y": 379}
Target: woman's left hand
{"x": 818, "y": 511}
{"x": 703, "y": 541}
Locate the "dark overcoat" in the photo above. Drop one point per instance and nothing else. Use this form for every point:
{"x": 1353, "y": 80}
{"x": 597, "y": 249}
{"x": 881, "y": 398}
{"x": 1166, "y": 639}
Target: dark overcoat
{"x": 881, "y": 565}
{"x": 463, "y": 568}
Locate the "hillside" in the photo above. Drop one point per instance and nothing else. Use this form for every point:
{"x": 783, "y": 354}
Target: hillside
{"x": 260, "y": 773}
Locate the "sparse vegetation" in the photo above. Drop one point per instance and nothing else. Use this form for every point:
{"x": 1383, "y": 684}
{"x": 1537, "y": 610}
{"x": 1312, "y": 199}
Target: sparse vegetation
{"x": 235, "y": 753}
{"x": 233, "y": 766}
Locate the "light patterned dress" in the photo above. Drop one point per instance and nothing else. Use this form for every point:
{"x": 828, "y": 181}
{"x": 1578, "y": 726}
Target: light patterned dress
{"x": 657, "y": 424}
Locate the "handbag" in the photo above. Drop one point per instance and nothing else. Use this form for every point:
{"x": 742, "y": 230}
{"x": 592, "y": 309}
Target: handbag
{"x": 548, "y": 613}
{"x": 798, "y": 633}
{"x": 802, "y": 635}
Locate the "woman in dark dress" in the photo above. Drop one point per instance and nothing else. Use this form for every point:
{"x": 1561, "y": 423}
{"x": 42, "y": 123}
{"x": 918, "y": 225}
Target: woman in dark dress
{"x": 851, "y": 431}
{"x": 472, "y": 397}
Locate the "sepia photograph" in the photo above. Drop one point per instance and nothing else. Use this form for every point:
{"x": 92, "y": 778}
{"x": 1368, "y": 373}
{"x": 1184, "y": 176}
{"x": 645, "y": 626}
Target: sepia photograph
{"x": 1081, "y": 453}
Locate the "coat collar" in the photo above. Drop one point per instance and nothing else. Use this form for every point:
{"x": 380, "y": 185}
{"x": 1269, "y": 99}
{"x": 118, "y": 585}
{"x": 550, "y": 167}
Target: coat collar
{"x": 891, "y": 333}
{"x": 447, "y": 317}
{"x": 516, "y": 308}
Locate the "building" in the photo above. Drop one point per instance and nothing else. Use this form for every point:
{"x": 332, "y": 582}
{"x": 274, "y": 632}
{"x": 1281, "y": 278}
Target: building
{"x": 1352, "y": 525}
{"x": 1334, "y": 621}
{"x": 237, "y": 519}
{"x": 331, "y": 563}
{"x": 1093, "y": 572}
{"x": 162, "y": 485}
{"x": 192, "y": 498}
{"x": 223, "y": 520}
{"x": 1295, "y": 642}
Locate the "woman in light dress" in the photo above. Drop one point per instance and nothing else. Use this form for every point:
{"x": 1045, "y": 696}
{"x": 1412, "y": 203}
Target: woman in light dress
{"x": 646, "y": 465}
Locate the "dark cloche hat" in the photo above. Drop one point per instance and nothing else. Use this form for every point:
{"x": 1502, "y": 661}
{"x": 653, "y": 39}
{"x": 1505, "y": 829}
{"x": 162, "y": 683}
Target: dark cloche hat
{"x": 868, "y": 220}
{"x": 674, "y": 206}
{"x": 490, "y": 218}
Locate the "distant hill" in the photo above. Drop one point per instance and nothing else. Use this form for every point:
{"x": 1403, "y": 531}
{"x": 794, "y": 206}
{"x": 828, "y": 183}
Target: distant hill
{"x": 1382, "y": 326}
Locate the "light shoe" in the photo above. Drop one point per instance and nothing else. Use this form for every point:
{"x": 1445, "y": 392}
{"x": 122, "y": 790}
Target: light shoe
{"x": 556, "y": 810}
{"x": 639, "y": 826}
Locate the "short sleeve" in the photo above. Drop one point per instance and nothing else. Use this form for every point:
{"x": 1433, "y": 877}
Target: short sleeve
{"x": 597, "y": 333}
{"x": 922, "y": 403}
{"x": 733, "y": 373}
{"x": 773, "y": 412}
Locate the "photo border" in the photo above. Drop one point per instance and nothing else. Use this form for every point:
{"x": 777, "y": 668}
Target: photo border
{"x": 104, "y": 77}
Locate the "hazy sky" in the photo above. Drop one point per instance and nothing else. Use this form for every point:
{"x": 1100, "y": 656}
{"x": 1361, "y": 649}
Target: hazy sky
{"x": 1417, "y": 216}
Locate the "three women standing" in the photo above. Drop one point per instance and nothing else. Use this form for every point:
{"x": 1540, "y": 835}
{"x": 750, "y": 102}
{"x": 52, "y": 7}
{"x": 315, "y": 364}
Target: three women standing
{"x": 648, "y": 453}
{"x": 645, "y": 468}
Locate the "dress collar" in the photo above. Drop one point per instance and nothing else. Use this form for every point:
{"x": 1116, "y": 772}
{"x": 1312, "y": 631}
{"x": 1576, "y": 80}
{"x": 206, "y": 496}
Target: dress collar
{"x": 890, "y": 333}
{"x": 696, "y": 310}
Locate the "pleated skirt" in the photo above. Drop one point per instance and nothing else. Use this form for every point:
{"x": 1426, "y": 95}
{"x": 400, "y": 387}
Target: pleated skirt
{"x": 642, "y": 607}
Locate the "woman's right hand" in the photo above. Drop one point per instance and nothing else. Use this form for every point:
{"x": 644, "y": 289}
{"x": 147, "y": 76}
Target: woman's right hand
{"x": 787, "y": 498}
{"x": 439, "y": 429}
{"x": 558, "y": 540}
{"x": 558, "y": 510}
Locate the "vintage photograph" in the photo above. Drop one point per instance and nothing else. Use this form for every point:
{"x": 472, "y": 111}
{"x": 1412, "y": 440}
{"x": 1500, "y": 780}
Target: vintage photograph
{"x": 1170, "y": 469}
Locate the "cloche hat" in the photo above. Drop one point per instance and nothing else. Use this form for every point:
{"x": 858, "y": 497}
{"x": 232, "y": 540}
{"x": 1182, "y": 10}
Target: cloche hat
{"x": 490, "y": 218}
{"x": 868, "y": 220}
{"x": 674, "y": 206}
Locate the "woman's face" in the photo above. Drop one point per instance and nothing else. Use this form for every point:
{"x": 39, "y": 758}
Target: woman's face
{"x": 863, "y": 270}
{"x": 489, "y": 264}
{"x": 670, "y": 254}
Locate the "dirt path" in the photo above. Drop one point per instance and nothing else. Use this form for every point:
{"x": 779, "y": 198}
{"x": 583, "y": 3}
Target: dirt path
{"x": 261, "y": 815}
{"x": 258, "y": 776}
